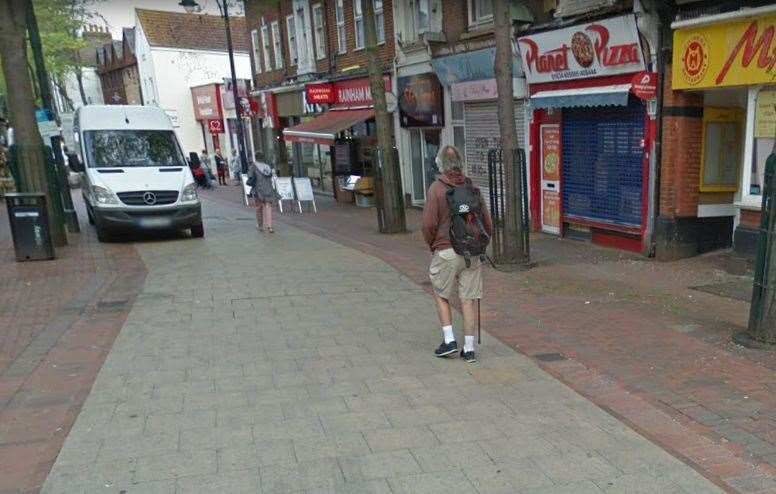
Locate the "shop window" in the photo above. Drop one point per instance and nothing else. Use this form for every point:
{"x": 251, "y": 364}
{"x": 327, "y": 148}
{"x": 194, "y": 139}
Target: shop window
{"x": 276, "y": 44}
{"x": 721, "y": 153}
{"x": 256, "y": 55}
{"x": 320, "y": 31}
{"x": 265, "y": 45}
{"x": 764, "y": 137}
{"x": 342, "y": 38}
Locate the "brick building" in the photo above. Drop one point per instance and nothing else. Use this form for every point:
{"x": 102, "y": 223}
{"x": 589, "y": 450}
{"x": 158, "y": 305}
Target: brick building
{"x": 296, "y": 43}
{"x": 117, "y": 67}
{"x": 718, "y": 126}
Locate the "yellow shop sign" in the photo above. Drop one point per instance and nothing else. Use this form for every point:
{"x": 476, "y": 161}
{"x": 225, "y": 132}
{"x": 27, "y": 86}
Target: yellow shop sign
{"x": 735, "y": 53}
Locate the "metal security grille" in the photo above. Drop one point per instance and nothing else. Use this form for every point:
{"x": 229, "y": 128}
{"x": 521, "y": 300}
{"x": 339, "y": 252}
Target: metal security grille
{"x": 482, "y": 134}
{"x": 603, "y": 164}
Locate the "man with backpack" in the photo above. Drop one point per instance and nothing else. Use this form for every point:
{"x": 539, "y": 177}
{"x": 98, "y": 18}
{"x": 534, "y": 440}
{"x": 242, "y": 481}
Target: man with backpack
{"x": 457, "y": 227}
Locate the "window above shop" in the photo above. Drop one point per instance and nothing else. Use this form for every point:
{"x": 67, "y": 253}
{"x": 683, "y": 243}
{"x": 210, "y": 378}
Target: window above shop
{"x": 480, "y": 12}
{"x": 320, "y": 32}
{"x": 358, "y": 17}
{"x": 291, "y": 30}
{"x": 342, "y": 37}
{"x": 255, "y": 49}
{"x": 277, "y": 46}
{"x": 265, "y": 43}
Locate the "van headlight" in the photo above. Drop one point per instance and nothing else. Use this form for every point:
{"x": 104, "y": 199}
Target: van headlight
{"x": 103, "y": 195}
{"x": 189, "y": 193}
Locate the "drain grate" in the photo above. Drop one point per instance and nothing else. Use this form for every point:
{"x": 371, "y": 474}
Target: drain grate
{"x": 111, "y": 305}
{"x": 549, "y": 357}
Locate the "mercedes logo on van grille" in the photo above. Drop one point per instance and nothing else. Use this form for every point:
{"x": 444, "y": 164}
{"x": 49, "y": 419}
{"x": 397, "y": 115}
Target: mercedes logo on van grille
{"x": 149, "y": 198}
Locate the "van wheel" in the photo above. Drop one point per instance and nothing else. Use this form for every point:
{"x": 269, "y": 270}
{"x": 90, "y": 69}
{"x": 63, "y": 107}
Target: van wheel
{"x": 102, "y": 235}
{"x": 198, "y": 231}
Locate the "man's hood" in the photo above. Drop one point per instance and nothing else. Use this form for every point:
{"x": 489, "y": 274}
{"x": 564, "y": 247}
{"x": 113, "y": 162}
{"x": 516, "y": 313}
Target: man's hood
{"x": 454, "y": 178}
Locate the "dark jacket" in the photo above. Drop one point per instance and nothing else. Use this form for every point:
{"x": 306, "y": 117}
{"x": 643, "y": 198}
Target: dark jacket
{"x": 436, "y": 214}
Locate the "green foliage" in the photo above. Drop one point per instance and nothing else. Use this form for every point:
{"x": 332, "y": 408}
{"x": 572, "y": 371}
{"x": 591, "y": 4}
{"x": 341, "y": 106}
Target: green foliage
{"x": 58, "y": 23}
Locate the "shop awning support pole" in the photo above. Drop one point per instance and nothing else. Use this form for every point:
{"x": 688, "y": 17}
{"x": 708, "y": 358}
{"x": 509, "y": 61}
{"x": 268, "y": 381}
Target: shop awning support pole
{"x": 235, "y": 95}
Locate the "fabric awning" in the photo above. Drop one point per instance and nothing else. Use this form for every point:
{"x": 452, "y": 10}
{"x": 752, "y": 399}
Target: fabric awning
{"x": 324, "y": 128}
{"x": 614, "y": 95}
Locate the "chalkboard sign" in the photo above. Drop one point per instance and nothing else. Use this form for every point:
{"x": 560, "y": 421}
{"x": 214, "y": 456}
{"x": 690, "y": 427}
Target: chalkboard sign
{"x": 343, "y": 158}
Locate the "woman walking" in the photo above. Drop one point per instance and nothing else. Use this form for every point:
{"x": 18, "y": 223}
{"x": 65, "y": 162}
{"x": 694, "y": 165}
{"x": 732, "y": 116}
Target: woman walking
{"x": 264, "y": 195}
{"x": 221, "y": 167}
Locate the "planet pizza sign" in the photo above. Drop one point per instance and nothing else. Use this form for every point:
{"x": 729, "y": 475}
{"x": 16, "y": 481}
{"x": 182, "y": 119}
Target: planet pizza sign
{"x": 601, "y": 48}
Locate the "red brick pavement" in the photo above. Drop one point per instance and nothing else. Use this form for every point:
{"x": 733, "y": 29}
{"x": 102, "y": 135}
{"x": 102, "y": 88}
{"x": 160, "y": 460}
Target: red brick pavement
{"x": 631, "y": 335}
{"x": 58, "y": 320}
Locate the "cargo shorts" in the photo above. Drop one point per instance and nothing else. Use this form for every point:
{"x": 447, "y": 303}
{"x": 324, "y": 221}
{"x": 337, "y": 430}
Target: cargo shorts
{"x": 449, "y": 270}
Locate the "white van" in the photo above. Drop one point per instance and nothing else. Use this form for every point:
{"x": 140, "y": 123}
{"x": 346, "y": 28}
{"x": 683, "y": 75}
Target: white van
{"x": 134, "y": 174}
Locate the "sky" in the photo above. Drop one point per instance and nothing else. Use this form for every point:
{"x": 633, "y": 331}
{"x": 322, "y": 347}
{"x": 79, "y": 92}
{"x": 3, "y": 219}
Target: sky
{"x": 121, "y": 13}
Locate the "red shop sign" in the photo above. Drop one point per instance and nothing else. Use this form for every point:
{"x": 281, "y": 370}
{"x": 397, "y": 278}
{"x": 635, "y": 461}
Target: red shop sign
{"x": 356, "y": 92}
{"x": 607, "y": 47}
{"x": 644, "y": 85}
{"x": 215, "y": 126}
{"x": 320, "y": 94}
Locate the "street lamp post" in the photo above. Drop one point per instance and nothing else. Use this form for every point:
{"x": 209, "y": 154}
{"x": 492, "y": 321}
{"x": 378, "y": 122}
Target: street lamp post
{"x": 192, "y": 6}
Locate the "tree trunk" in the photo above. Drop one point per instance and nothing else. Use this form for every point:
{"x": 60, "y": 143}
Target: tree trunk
{"x": 513, "y": 238}
{"x": 21, "y": 108}
{"x": 394, "y": 220}
{"x": 79, "y": 77}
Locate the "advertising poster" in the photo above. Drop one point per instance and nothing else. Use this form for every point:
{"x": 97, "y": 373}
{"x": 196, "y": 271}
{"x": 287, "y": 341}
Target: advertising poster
{"x": 420, "y": 101}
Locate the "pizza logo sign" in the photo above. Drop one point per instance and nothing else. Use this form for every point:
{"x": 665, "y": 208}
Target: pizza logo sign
{"x": 695, "y": 59}
{"x": 611, "y": 46}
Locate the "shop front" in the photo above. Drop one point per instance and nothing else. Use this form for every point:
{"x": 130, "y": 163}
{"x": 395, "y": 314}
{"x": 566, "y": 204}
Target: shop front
{"x": 421, "y": 117}
{"x": 592, "y": 132}
{"x": 726, "y": 64}
{"x": 343, "y": 137}
{"x": 473, "y": 125}
{"x": 209, "y": 113}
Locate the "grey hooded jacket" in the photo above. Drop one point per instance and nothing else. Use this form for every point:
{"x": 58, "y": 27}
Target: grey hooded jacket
{"x": 263, "y": 188}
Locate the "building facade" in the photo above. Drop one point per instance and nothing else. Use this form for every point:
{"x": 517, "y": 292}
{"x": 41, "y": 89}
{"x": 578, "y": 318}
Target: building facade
{"x": 176, "y": 52}
{"x": 117, "y": 67}
{"x": 305, "y": 53}
{"x": 718, "y": 127}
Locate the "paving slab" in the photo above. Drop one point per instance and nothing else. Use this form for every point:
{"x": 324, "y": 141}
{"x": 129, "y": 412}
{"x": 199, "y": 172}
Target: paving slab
{"x": 284, "y": 397}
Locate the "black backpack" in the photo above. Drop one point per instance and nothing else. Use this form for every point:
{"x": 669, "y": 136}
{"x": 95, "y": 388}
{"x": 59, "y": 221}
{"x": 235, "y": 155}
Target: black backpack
{"x": 467, "y": 231}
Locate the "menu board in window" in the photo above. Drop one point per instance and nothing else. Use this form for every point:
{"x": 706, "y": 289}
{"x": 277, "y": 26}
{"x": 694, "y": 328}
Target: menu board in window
{"x": 343, "y": 158}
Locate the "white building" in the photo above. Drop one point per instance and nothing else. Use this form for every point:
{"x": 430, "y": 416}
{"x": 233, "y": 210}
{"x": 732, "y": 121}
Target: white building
{"x": 178, "y": 51}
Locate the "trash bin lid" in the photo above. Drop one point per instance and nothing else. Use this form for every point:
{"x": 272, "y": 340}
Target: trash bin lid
{"x": 24, "y": 195}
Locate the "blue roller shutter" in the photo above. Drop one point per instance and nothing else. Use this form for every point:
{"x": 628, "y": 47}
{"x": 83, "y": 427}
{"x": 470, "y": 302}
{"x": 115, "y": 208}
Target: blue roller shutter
{"x": 603, "y": 164}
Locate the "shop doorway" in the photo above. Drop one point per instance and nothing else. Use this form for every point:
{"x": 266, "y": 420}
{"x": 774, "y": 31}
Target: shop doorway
{"x": 549, "y": 143}
{"x": 424, "y": 146}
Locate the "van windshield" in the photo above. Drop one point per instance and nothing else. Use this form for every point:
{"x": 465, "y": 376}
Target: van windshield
{"x": 125, "y": 148}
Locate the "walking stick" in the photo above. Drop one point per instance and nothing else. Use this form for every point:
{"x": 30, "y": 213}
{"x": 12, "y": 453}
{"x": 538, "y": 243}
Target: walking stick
{"x": 479, "y": 325}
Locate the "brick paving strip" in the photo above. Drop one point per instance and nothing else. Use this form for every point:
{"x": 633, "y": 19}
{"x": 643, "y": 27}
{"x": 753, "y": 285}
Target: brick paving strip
{"x": 58, "y": 320}
{"x": 654, "y": 354}
{"x": 288, "y": 363}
